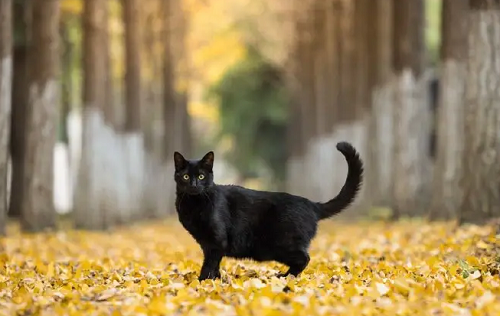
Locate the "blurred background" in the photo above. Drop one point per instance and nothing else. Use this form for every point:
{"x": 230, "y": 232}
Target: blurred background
{"x": 96, "y": 95}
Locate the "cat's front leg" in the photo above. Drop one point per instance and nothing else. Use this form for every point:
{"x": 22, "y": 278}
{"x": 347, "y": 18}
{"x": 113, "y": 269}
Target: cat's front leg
{"x": 211, "y": 264}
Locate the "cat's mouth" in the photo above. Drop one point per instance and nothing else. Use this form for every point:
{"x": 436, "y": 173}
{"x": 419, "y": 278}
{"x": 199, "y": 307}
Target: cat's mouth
{"x": 193, "y": 191}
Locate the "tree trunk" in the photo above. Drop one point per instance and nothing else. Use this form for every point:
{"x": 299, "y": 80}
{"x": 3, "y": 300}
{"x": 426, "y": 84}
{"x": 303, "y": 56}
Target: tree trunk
{"x": 347, "y": 75}
{"x": 67, "y": 80}
{"x": 168, "y": 83}
{"x": 134, "y": 141}
{"x": 38, "y": 206}
{"x": 481, "y": 160}
{"x": 315, "y": 165}
{"x": 450, "y": 130}
{"x": 108, "y": 106}
{"x": 411, "y": 115}
{"x": 182, "y": 121}
{"x": 295, "y": 134}
{"x": 20, "y": 97}
{"x": 89, "y": 213}
{"x": 359, "y": 125}
{"x": 347, "y": 110}
{"x": 381, "y": 127}
{"x": 308, "y": 106}
{"x": 5, "y": 103}
{"x": 333, "y": 62}
{"x": 133, "y": 66}
{"x": 327, "y": 67}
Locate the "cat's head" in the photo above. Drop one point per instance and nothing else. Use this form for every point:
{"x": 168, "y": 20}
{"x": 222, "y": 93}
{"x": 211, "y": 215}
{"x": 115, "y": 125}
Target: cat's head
{"x": 194, "y": 176}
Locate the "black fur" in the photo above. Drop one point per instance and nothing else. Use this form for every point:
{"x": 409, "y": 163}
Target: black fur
{"x": 236, "y": 222}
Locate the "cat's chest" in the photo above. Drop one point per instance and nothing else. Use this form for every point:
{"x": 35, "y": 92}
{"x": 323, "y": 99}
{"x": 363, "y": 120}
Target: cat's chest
{"x": 196, "y": 218}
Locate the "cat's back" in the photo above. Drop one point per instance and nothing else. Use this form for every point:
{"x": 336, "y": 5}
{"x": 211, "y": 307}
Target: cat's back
{"x": 246, "y": 199}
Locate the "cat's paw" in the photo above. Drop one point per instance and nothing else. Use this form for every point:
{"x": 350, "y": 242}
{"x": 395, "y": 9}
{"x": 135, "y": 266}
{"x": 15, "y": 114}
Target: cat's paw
{"x": 282, "y": 275}
{"x": 212, "y": 275}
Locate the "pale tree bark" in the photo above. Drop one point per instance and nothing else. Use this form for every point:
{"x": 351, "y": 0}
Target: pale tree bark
{"x": 41, "y": 118}
{"x": 169, "y": 96}
{"x": 20, "y": 97}
{"x": 450, "y": 128}
{"x": 411, "y": 114}
{"x": 362, "y": 97}
{"x": 5, "y": 103}
{"x": 329, "y": 88}
{"x": 380, "y": 146}
{"x": 89, "y": 213}
{"x": 134, "y": 142}
{"x": 481, "y": 157}
{"x": 314, "y": 160}
{"x": 308, "y": 98}
{"x": 295, "y": 133}
{"x": 322, "y": 150}
{"x": 346, "y": 113}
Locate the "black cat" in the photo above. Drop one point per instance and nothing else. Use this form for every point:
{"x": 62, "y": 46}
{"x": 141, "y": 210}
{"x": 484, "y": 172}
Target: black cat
{"x": 236, "y": 222}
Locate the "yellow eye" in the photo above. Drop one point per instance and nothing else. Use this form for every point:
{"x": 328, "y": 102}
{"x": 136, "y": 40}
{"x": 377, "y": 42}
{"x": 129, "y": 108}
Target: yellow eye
{"x": 185, "y": 177}
{"x": 201, "y": 177}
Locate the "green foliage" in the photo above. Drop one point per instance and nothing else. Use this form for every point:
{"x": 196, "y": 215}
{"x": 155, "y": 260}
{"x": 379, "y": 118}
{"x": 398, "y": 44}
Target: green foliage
{"x": 433, "y": 29}
{"x": 253, "y": 113}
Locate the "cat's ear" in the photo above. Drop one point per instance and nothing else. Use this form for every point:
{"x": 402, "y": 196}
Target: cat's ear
{"x": 180, "y": 162}
{"x": 208, "y": 161}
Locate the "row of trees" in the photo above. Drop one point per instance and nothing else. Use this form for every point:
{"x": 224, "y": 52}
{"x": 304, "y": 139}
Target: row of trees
{"x": 360, "y": 72}
{"x": 356, "y": 71}
{"x": 131, "y": 122}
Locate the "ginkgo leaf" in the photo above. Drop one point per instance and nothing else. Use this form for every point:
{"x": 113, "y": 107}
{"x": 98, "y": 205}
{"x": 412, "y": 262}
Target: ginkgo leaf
{"x": 153, "y": 270}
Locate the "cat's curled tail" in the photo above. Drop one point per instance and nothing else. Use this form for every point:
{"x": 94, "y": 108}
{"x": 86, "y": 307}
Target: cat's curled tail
{"x": 351, "y": 186}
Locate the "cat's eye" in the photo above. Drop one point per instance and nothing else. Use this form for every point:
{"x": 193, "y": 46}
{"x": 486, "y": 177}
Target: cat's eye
{"x": 185, "y": 177}
{"x": 201, "y": 177}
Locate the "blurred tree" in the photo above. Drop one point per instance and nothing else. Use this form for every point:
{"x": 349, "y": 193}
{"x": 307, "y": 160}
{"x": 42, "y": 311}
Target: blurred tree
{"x": 133, "y": 64}
{"x": 5, "y": 103}
{"x": 362, "y": 75}
{"x": 481, "y": 160}
{"x": 88, "y": 214}
{"x": 168, "y": 82}
{"x": 362, "y": 96}
{"x": 411, "y": 117}
{"x": 252, "y": 99}
{"x": 182, "y": 82}
{"x": 446, "y": 192}
{"x": 20, "y": 83}
{"x": 66, "y": 75}
{"x": 151, "y": 37}
{"x": 347, "y": 56}
{"x": 41, "y": 118}
{"x": 308, "y": 23}
{"x": 177, "y": 123}
{"x": 380, "y": 126}
{"x": 332, "y": 43}
{"x": 108, "y": 105}
{"x": 318, "y": 67}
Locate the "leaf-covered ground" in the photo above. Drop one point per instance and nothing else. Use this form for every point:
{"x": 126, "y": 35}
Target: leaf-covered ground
{"x": 355, "y": 269}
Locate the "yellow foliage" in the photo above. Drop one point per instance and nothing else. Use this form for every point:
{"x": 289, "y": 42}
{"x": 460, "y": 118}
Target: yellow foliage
{"x": 72, "y": 6}
{"x": 362, "y": 269}
{"x": 206, "y": 110}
